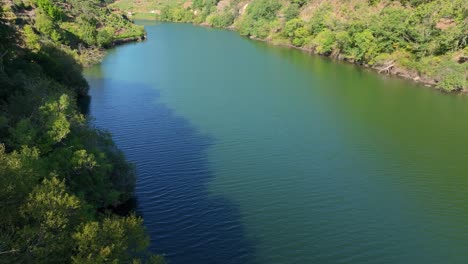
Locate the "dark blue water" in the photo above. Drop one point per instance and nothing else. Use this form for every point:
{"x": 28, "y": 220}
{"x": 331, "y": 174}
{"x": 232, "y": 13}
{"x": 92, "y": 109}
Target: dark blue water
{"x": 172, "y": 167}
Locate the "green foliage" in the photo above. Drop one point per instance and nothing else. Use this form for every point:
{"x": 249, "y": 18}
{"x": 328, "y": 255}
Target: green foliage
{"x": 56, "y": 173}
{"x": 319, "y": 19}
{"x": 255, "y": 28}
{"x": 198, "y": 4}
{"x": 296, "y": 32}
{"x": 51, "y": 9}
{"x": 260, "y": 18}
{"x": 452, "y": 82}
{"x": 365, "y": 46}
{"x": 292, "y": 11}
{"x": 31, "y": 38}
{"x": 87, "y": 31}
{"x": 222, "y": 20}
{"x": 104, "y": 37}
{"x": 324, "y": 42}
{"x": 112, "y": 240}
{"x": 44, "y": 23}
{"x": 389, "y": 28}
{"x": 51, "y": 213}
{"x": 263, "y": 9}
{"x": 175, "y": 14}
{"x": 18, "y": 176}
{"x": 54, "y": 115}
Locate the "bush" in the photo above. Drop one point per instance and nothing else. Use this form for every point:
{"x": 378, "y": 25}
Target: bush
{"x": 104, "y": 37}
{"x": 296, "y": 32}
{"x": 31, "y": 38}
{"x": 324, "y": 42}
{"x": 452, "y": 82}
{"x": 292, "y": 11}
{"x": 44, "y": 23}
{"x": 263, "y": 9}
{"x": 365, "y": 46}
{"x": 53, "y": 10}
{"x": 222, "y": 20}
{"x": 319, "y": 19}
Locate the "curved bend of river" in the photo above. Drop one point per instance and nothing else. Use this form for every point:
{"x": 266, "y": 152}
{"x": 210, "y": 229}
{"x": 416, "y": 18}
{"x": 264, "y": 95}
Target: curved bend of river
{"x": 248, "y": 153}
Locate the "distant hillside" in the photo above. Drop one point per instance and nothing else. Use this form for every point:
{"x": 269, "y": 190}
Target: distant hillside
{"x": 423, "y": 40}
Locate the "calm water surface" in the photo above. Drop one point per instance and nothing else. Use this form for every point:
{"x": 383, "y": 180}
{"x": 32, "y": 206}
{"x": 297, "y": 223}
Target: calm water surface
{"x": 248, "y": 153}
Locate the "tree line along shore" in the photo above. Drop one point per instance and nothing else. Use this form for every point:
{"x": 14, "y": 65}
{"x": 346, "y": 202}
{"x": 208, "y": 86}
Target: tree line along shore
{"x": 422, "y": 40}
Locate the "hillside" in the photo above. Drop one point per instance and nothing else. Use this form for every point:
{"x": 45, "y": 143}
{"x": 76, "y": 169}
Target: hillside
{"x": 83, "y": 28}
{"x": 423, "y": 40}
{"x": 60, "y": 179}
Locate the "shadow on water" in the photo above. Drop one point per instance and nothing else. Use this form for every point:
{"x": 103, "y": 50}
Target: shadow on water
{"x": 185, "y": 222}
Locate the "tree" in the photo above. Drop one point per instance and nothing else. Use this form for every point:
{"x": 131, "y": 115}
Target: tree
{"x": 113, "y": 240}
{"x": 365, "y": 46}
{"x": 54, "y": 115}
{"x": 19, "y": 173}
{"x": 264, "y": 9}
{"x": 51, "y": 213}
{"x": 31, "y": 38}
{"x": 55, "y": 170}
{"x": 324, "y": 42}
{"x": 292, "y": 11}
{"x": 296, "y": 32}
{"x": 44, "y": 23}
{"x": 104, "y": 38}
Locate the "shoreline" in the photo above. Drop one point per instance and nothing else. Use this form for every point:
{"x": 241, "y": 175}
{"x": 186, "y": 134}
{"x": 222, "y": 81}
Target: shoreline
{"x": 386, "y": 70}
{"x": 393, "y": 71}
{"x": 118, "y": 42}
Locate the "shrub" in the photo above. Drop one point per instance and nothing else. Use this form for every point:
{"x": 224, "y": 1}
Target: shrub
{"x": 263, "y": 9}
{"x": 292, "y": 11}
{"x": 221, "y": 20}
{"x": 31, "y": 38}
{"x": 104, "y": 37}
{"x": 324, "y": 42}
{"x": 296, "y": 32}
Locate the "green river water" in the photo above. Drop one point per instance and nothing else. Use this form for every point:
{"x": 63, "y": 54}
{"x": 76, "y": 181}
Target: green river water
{"x": 248, "y": 153}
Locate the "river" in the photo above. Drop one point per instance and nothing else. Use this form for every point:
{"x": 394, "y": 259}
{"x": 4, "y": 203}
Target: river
{"x": 248, "y": 153}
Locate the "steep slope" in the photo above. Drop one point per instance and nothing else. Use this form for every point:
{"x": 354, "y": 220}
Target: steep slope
{"x": 58, "y": 176}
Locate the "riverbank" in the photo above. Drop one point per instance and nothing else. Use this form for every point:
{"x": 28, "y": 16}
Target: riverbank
{"x": 128, "y": 40}
{"x": 59, "y": 174}
{"x": 391, "y": 69}
{"x": 421, "y": 42}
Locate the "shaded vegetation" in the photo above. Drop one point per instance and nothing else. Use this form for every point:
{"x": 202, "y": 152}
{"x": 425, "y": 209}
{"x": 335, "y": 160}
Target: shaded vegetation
{"x": 57, "y": 174}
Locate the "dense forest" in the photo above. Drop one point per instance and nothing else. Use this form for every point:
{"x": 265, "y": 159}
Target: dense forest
{"x": 60, "y": 178}
{"x": 423, "y": 40}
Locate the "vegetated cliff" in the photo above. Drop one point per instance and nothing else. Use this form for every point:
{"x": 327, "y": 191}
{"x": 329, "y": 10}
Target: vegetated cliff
{"x": 58, "y": 174}
{"x": 423, "y": 40}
